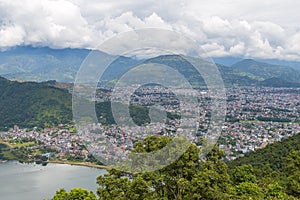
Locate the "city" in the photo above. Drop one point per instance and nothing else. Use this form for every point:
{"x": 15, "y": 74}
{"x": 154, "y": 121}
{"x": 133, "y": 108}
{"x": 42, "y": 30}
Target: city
{"x": 255, "y": 117}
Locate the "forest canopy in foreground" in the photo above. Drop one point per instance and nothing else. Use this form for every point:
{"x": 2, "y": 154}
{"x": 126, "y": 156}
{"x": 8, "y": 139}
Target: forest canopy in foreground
{"x": 192, "y": 178}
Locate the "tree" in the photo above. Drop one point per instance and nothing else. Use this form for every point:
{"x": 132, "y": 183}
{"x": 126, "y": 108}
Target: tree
{"x": 293, "y": 162}
{"x": 243, "y": 173}
{"x": 293, "y": 169}
{"x": 293, "y": 185}
{"x": 74, "y": 194}
{"x": 186, "y": 178}
{"x": 275, "y": 191}
{"x": 247, "y": 190}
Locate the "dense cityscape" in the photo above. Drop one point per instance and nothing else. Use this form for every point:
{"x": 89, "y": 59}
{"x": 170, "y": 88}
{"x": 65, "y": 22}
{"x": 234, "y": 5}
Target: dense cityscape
{"x": 255, "y": 117}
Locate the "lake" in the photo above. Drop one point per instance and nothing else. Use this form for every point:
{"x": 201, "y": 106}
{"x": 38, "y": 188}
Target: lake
{"x": 35, "y": 182}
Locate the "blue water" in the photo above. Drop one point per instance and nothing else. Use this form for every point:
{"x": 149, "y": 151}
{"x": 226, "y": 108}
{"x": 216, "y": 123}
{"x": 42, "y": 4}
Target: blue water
{"x": 35, "y": 182}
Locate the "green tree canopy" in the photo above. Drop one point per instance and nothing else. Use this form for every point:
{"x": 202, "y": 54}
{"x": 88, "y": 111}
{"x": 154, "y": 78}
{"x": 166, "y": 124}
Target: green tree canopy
{"x": 74, "y": 194}
{"x": 191, "y": 177}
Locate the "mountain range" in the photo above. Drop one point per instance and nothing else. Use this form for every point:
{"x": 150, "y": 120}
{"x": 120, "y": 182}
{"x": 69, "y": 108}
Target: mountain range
{"x": 43, "y": 64}
{"x": 265, "y": 71}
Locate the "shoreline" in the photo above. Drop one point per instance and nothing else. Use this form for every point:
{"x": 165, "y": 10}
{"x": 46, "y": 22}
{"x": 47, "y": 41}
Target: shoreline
{"x": 72, "y": 163}
{"x": 83, "y": 164}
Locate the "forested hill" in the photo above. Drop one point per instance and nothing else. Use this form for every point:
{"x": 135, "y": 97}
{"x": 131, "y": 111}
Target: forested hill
{"x": 31, "y": 104}
{"x": 274, "y": 154}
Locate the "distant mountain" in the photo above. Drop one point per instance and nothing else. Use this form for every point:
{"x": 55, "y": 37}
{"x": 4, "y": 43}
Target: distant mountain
{"x": 266, "y": 71}
{"x": 229, "y": 75}
{"x": 277, "y": 82}
{"x": 118, "y": 67}
{"x": 42, "y": 64}
{"x": 293, "y": 64}
{"x": 229, "y": 60}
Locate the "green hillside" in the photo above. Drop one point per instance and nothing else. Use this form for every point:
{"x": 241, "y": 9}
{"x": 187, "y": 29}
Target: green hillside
{"x": 274, "y": 155}
{"x": 266, "y": 71}
{"x": 229, "y": 75}
{"x": 31, "y": 104}
{"x": 277, "y": 165}
{"x": 277, "y": 82}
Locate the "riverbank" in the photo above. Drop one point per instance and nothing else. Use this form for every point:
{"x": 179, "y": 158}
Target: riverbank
{"x": 84, "y": 164}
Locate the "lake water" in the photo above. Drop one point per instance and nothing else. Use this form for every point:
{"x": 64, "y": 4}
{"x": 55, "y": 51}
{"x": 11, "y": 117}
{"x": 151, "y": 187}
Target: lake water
{"x": 35, "y": 182}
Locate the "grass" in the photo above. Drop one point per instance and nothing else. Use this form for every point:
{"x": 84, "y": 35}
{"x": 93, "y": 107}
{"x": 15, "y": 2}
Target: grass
{"x": 17, "y": 145}
{"x": 8, "y": 155}
{"x": 249, "y": 121}
{"x": 25, "y": 144}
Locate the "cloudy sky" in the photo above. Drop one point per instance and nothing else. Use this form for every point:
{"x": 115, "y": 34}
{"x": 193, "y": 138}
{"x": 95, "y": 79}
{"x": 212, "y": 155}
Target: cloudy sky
{"x": 248, "y": 28}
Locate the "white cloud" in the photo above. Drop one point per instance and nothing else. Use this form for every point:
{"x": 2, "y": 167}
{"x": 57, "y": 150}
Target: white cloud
{"x": 128, "y": 21}
{"x": 244, "y": 28}
{"x": 214, "y": 49}
{"x": 237, "y": 50}
{"x": 11, "y": 35}
{"x": 51, "y": 23}
{"x": 217, "y": 27}
{"x": 273, "y": 32}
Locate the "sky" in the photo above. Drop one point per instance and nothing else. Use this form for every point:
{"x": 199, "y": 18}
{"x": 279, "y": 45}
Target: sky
{"x": 247, "y": 28}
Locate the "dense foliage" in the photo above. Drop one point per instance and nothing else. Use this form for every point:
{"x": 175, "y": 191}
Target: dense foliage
{"x": 76, "y": 193}
{"x": 275, "y": 155}
{"x": 209, "y": 178}
{"x": 33, "y": 104}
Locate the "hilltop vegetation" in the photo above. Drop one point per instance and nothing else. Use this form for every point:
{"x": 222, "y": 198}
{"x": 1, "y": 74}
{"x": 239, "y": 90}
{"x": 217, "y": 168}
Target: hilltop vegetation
{"x": 33, "y": 104}
{"x": 273, "y": 155}
{"x": 192, "y": 178}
